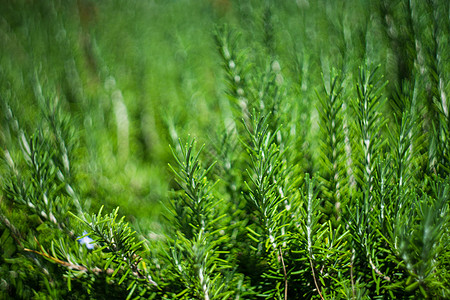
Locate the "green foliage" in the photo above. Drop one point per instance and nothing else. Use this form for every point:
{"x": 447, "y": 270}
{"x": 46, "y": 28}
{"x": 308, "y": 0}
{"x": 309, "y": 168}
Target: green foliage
{"x": 324, "y": 170}
{"x": 333, "y": 148}
{"x": 198, "y": 263}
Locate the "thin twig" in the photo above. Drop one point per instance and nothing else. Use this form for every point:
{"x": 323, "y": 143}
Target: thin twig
{"x": 80, "y": 268}
{"x": 315, "y": 281}
{"x": 58, "y": 261}
{"x": 385, "y": 277}
{"x": 285, "y": 275}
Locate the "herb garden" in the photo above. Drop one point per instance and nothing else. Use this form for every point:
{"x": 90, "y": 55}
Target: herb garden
{"x": 225, "y": 149}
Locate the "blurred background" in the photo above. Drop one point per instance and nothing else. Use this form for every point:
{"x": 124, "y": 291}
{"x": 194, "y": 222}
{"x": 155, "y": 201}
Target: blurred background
{"x": 134, "y": 76}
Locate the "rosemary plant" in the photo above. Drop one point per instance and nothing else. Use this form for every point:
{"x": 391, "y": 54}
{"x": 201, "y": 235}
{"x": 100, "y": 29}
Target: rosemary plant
{"x": 324, "y": 170}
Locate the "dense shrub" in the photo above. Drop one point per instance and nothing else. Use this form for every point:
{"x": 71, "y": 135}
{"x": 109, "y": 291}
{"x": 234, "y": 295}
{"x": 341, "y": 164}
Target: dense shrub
{"x": 279, "y": 150}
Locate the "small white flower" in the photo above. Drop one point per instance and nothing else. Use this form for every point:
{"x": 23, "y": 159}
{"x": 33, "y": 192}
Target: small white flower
{"x": 86, "y": 240}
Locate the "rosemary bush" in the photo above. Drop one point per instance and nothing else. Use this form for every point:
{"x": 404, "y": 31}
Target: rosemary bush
{"x": 293, "y": 150}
